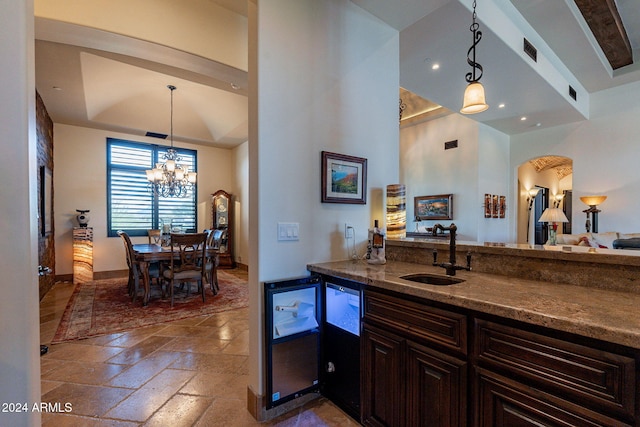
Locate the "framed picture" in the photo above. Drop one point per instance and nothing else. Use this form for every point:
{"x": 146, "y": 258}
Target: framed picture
{"x": 433, "y": 207}
{"x": 344, "y": 179}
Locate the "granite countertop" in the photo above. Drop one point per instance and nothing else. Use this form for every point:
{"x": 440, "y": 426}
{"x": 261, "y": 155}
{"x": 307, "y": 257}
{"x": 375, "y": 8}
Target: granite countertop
{"x": 606, "y": 315}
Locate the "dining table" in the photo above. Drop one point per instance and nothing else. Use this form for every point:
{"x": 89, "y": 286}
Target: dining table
{"x": 146, "y": 254}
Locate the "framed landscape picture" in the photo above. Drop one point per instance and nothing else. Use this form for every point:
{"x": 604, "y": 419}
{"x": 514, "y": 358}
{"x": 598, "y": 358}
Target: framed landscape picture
{"x": 344, "y": 179}
{"x": 433, "y": 207}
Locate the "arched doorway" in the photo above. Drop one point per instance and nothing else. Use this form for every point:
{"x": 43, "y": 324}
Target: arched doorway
{"x": 543, "y": 182}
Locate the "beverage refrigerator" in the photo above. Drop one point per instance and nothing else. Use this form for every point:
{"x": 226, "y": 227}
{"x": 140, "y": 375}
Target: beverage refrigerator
{"x": 313, "y": 340}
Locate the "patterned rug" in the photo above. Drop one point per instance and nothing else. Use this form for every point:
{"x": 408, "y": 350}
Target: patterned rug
{"x": 102, "y": 307}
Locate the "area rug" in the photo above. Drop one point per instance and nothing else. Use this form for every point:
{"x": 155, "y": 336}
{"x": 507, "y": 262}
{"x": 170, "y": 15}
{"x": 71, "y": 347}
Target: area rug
{"x": 102, "y": 307}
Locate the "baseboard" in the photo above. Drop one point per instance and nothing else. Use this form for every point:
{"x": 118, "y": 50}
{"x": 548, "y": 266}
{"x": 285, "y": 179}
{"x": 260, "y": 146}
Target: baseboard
{"x": 241, "y": 266}
{"x": 257, "y": 405}
{"x": 97, "y": 275}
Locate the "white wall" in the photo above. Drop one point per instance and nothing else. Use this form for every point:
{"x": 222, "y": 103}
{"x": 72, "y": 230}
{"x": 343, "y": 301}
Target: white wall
{"x": 323, "y": 76}
{"x": 20, "y": 331}
{"x": 605, "y": 152}
{"x": 428, "y": 169}
{"x": 80, "y": 174}
{"x": 241, "y": 197}
{"x": 493, "y": 178}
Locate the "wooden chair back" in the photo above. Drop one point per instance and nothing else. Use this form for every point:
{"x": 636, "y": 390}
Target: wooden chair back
{"x": 188, "y": 252}
{"x": 155, "y": 236}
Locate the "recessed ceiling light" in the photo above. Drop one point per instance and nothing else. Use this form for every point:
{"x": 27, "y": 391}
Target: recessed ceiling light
{"x": 523, "y": 118}
{"x": 235, "y": 86}
{"x": 538, "y": 124}
{"x": 501, "y": 105}
{"x": 435, "y": 66}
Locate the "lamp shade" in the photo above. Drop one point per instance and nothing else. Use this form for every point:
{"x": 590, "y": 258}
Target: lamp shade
{"x": 474, "y": 101}
{"x": 593, "y": 200}
{"x": 553, "y": 215}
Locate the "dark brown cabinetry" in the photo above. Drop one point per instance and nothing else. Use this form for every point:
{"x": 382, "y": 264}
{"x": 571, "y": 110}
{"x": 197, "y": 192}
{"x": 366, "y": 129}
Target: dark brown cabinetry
{"x": 542, "y": 379}
{"x": 428, "y": 365}
{"x": 409, "y": 379}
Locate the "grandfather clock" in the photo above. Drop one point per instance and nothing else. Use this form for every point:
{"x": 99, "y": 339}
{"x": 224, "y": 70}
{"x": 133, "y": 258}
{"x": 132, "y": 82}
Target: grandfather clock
{"x": 222, "y": 213}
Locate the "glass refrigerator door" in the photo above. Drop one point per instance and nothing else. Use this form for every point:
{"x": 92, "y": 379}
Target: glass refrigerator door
{"x": 343, "y": 308}
{"x": 292, "y": 316}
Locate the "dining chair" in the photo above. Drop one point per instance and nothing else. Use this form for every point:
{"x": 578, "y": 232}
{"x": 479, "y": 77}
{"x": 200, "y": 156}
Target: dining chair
{"x": 155, "y": 236}
{"x": 133, "y": 285}
{"x": 187, "y": 255}
{"x": 213, "y": 242}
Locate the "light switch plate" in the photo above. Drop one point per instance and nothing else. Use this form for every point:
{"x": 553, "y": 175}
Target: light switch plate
{"x": 288, "y": 231}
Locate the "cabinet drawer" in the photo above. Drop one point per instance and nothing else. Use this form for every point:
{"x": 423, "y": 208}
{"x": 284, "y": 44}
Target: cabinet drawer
{"x": 420, "y": 322}
{"x": 588, "y": 376}
{"x": 503, "y": 402}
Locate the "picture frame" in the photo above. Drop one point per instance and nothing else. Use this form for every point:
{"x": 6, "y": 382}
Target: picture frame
{"x": 344, "y": 179}
{"x": 433, "y": 207}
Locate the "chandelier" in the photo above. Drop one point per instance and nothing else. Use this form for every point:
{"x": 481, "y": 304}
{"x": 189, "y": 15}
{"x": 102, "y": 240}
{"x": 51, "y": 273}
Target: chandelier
{"x": 474, "y": 101}
{"x": 170, "y": 179}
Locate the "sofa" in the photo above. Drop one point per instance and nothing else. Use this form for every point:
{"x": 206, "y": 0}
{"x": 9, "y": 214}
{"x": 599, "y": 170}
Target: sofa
{"x": 609, "y": 239}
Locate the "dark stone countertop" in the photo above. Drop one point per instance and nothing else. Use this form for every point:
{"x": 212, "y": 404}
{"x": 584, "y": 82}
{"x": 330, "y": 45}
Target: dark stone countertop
{"x": 604, "y": 314}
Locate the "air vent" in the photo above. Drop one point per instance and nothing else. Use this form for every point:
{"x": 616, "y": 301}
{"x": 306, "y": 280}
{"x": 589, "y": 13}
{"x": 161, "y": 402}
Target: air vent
{"x": 156, "y": 135}
{"x": 451, "y": 144}
{"x": 572, "y": 93}
{"x": 530, "y": 50}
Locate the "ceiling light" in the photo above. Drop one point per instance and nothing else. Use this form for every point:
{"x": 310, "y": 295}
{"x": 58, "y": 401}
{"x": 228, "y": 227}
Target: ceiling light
{"x": 501, "y": 105}
{"x": 523, "y": 118}
{"x": 435, "y": 67}
{"x": 474, "y": 101}
{"x": 170, "y": 179}
{"x": 234, "y": 86}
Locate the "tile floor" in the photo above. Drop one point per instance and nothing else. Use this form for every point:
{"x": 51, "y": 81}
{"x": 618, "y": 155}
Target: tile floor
{"x": 191, "y": 372}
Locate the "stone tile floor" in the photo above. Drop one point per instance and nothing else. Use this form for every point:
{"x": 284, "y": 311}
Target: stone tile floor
{"x": 191, "y": 372}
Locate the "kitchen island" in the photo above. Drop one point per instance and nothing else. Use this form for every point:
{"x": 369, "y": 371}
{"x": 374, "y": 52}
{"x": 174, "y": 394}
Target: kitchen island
{"x": 528, "y": 337}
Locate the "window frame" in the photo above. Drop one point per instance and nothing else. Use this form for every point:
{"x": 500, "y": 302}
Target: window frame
{"x": 156, "y": 151}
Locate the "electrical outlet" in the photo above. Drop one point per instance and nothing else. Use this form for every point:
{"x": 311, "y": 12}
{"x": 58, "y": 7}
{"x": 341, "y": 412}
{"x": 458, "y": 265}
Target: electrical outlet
{"x": 348, "y": 231}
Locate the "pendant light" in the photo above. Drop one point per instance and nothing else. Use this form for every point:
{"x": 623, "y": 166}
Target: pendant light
{"x": 170, "y": 179}
{"x": 474, "y": 101}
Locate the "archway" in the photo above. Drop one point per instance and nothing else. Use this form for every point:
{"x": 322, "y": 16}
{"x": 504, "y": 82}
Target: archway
{"x": 543, "y": 182}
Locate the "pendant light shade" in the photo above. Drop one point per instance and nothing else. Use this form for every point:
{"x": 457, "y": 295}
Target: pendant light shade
{"x": 473, "y": 101}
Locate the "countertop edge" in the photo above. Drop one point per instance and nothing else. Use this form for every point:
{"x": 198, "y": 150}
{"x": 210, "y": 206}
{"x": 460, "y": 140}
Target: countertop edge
{"x": 545, "y": 304}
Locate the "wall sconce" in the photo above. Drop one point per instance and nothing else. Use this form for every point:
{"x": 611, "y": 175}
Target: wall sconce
{"x": 557, "y": 200}
{"x": 531, "y": 196}
{"x": 592, "y": 202}
{"x": 553, "y": 216}
{"x": 396, "y": 211}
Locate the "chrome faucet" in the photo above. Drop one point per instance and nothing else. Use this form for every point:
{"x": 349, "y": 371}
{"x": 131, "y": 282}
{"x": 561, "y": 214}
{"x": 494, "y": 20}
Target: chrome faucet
{"x": 450, "y": 266}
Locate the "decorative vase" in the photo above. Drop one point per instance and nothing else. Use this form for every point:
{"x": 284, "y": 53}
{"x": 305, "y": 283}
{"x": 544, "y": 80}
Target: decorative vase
{"x": 82, "y": 217}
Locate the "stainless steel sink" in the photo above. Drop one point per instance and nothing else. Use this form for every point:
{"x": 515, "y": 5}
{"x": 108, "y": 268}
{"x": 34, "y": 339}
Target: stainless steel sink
{"x": 432, "y": 279}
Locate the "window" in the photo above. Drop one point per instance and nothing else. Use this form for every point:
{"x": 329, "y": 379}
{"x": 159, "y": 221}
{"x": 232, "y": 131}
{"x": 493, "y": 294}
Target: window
{"x": 131, "y": 206}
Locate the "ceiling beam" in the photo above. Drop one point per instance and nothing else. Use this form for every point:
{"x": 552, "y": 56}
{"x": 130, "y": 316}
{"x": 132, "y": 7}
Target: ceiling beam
{"x": 606, "y": 25}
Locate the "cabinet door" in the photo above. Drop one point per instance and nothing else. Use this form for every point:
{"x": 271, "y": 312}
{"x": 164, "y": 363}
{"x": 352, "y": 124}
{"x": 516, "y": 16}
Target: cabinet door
{"x": 436, "y": 388}
{"x": 382, "y": 383}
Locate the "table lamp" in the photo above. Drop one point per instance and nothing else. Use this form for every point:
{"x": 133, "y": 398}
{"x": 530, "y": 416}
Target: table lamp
{"x": 553, "y": 216}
